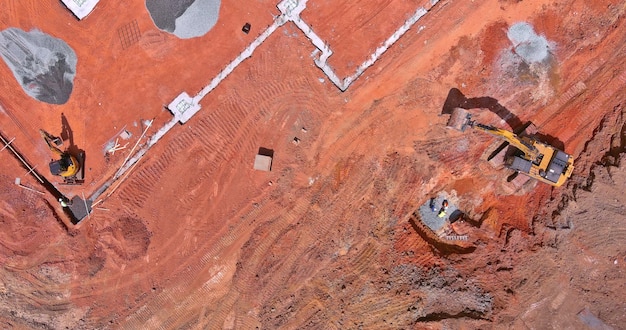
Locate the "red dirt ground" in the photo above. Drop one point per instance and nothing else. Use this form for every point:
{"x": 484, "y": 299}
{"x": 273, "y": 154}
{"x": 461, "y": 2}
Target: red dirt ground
{"x": 194, "y": 238}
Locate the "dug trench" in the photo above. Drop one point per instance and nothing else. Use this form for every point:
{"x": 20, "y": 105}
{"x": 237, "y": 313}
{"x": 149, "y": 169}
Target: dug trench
{"x": 45, "y": 184}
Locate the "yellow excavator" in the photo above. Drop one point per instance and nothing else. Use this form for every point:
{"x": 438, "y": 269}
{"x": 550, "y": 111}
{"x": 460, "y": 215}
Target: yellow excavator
{"x": 535, "y": 159}
{"x": 67, "y": 166}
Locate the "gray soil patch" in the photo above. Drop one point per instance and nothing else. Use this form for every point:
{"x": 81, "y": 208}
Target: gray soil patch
{"x": 43, "y": 65}
{"x": 184, "y": 18}
{"x": 527, "y": 44}
{"x": 429, "y": 211}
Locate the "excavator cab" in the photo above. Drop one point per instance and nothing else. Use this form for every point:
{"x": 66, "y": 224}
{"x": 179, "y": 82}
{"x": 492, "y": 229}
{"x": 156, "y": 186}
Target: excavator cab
{"x": 64, "y": 167}
{"x": 67, "y": 166}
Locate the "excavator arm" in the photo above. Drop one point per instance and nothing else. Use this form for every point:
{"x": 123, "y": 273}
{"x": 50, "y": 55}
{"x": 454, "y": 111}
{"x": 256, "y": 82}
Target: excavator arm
{"x": 49, "y": 141}
{"x": 522, "y": 144}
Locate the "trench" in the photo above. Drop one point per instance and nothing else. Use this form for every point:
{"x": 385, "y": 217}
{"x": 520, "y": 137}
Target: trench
{"x": 47, "y": 185}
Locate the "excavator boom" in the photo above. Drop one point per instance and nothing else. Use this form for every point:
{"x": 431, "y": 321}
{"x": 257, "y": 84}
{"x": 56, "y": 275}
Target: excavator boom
{"x": 50, "y": 142}
{"x": 524, "y": 145}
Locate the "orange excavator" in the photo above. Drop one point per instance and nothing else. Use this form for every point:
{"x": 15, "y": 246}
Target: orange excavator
{"x": 67, "y": 166}
{"x": 535, "y": 159}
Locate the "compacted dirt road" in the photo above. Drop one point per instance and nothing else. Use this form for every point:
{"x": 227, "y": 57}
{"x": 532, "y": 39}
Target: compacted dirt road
{"x": 192, "y": 237}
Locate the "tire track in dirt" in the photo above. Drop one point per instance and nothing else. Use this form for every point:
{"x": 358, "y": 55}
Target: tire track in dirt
{"x": 362, "y": 262}
{"x": 590, "y": 69}
{"x": 210, "y": 141}
{"x": 141, "y": 185}
{"x": 176, "y": 295}
{"x": 300, "y": 250}
{"x": 158, "y": 310}
{"x": 414, "y": 248}
{"x": 212, "y": 120}
{"x": 378, "y": 308}
{"x": 599, "y": 71}
{"x": 140, "y": 188}
{"x": 372, "y": 300}
{"x": 224, "y": 308}
{"x": 593, "y": 235}
{"x": 283, "y": 269}
{"x": 350, "y": 130}
{"x": 587, "y": 118}
{"x": 547, "y": 114}
{"x": 321, "y": 224}
{"x": 225, "y": 242}
{"x": 237, "y": 118}
{"x": 410, "y": 177}
{"x": 304, "y": 314}
{"x": 228, "y": 133}
{"x": 246, "y": 277}
{"x": 179, "y": 142}
{"x": 276, "y": 228}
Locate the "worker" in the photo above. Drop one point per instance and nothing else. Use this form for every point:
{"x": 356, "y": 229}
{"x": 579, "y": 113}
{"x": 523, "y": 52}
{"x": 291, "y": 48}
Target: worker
{"x": 444, "y": 205}
{"x": 64, "y": 203}
{"x": 442, "y": 213}
{"x": 432, "y": 205}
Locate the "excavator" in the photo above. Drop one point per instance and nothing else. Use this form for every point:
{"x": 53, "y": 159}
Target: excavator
{"x": 67, "y": 167}
{"x": 535, "y": 159}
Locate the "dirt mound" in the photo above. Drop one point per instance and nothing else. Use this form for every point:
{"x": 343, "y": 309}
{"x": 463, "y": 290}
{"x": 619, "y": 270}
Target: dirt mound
{"x": 128, "y": 237}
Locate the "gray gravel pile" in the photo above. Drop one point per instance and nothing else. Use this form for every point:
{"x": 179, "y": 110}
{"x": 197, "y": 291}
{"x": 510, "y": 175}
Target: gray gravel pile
{"x": 184, "y": 18}
{"x": 43, "y": 65}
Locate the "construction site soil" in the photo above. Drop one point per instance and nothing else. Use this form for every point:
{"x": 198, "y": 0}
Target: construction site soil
{"x": 192, "y": 237}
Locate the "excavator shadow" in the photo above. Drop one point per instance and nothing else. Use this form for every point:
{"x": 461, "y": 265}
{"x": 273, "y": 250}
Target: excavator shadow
{"x": 551, "y": 140}
{"x": 456, "y": 99}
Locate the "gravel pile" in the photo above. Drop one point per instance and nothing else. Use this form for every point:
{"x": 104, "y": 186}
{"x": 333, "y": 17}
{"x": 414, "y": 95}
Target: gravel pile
{"x": 43, "y": 65}
{"x": 184, "y": 18}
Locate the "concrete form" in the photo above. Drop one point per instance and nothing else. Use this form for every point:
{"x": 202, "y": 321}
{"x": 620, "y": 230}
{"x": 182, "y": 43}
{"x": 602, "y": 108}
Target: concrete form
{"x": 80, "y": 8}
{"x": 291, "y": 10}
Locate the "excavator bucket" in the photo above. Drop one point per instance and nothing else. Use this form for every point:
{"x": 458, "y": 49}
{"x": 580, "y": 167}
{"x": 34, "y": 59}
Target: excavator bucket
{"x": 459, "y": 119}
